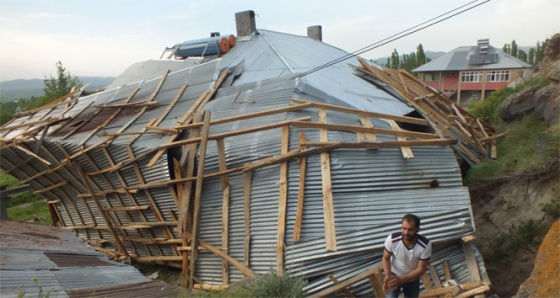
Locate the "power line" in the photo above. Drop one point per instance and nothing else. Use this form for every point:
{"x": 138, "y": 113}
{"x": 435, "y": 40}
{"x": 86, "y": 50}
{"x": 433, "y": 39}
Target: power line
{"x": 440, "y": 18}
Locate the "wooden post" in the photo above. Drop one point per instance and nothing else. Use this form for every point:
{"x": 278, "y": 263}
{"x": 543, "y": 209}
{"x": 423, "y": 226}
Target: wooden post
{"x": 225, "y": 208}
{"x": 301, "y": 189}
{"x": 247, "y": 210}
{"x": 328, "y": 208}
{"x": 197, "y": 197}
{"x": 282, "y": 203}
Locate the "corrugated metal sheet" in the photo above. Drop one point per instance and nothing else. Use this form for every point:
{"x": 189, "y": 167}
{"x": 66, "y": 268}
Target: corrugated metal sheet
{"x": 40, "y": 261}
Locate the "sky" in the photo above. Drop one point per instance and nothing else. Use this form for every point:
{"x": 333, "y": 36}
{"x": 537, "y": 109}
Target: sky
{"x": 103, "y": 38}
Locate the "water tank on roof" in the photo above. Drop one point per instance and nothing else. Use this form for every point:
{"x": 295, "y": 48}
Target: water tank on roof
{"x": 214, "y": 45}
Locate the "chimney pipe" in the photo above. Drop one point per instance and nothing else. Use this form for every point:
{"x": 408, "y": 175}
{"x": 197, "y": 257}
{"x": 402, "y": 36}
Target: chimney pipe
{"x": 315, "y": 32}
{"x": 245, "y": 22}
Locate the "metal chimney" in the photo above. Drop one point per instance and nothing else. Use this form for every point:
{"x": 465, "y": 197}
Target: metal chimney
{"x": 245, "y": 22}
{"x": 315, "y": 32}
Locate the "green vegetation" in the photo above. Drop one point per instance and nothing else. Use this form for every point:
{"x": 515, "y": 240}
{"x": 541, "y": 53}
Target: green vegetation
{"x": 534, "y": 56}
{"x": 506, "y": 246}
{"x": 527, "y": 145}
{"x": 552, "y": 209}
{"x": 268, "y": 285}
{"x": 55, "y": 87}
{"x": 407, "y": 61}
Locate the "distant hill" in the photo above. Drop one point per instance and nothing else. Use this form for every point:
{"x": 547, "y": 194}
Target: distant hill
{"x": 429, "y": 54}
{"x": 16, "y": 89}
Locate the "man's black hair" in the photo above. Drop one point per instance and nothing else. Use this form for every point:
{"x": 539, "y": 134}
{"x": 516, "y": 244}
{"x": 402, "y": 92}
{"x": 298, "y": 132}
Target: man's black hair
{"x": 412, "y": 217}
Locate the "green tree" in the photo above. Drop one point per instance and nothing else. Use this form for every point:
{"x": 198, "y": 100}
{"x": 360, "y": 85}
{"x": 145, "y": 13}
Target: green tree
{"x": 395, "y": 60}
{"x": 522, "y": 55}
{"x": 506, "y": 48}
{"x": 514, "y": 48}
{"x": 420, "y": 56}
{"x": 60, "y": 85}
{"x": 531, "y": 58}
{"x": 56, "y": 87}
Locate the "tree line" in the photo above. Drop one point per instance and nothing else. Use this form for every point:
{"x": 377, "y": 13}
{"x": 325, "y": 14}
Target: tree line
{"x": 533, "y": 57}
{"x": 55, "y": 87}
{"x": 416, "y": 59}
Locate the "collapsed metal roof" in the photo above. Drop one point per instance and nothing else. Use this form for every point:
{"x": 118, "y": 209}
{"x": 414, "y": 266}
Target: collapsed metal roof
{"x": 235, "y": 165}
{"x": 38, "y": 261}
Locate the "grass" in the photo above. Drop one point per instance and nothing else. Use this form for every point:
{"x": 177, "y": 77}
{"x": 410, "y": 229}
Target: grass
{"x": 528, "y": 144}
{"x": 36, "y": 211}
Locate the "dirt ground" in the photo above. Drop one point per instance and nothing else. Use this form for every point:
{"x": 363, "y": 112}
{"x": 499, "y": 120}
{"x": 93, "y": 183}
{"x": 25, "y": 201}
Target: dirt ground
{"x": 505, "y": 203}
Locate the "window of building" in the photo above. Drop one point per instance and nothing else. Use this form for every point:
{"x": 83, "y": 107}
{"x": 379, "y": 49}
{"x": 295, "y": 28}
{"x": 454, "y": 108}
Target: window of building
{"x": 429, "y": 77}
{"x": 497, "y": 76}
{"x": 471, "y": 76}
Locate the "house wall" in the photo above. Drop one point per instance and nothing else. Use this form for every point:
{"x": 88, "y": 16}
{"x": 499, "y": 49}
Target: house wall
{"x": 451, "y": 81}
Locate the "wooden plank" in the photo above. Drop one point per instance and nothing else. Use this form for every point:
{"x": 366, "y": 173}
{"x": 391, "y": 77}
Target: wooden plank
{"x": 439, "y": 291}
{"x": 427, "y": 281}
{"x": 108, "y": 119}
{"x": 127, "y": 208}
{"x": 225, "y": 207}
{"x": 198, "y": 196}
{"x": 253, "y": 115}
{"x": 355, "y": 128}
{"x": 345, "y": 290}
{"x": 301, "y": 189}
{"x": 434, "y": 276}
{"x": 247, "y": 216}
{"x": 328, "y": 207}
{"x": 197, "y": 106}
{"x": 364, "y": 274}
{"x": 108, "y": 223}
{"x": 471, "y": 261}
{"x": 446, "y": 270}
{"x": 473, "y": 292}
{"x": 336, "y": 108}
{"x": 376, "y": 281}
{"x": 46, "y": 189}
{"x": 363, "y": 136}
{"x": 406, "y": 151}
{"x": 30, "y": 153}
{"x": 244, "y": 269}
{"x": 282, "y": 203}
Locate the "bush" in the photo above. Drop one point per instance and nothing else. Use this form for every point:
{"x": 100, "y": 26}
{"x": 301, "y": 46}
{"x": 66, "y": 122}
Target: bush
{"x": 268, "y": 285}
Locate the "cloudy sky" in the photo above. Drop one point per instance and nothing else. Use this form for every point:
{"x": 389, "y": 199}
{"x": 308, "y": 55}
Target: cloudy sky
{"x": 102, "y": 38}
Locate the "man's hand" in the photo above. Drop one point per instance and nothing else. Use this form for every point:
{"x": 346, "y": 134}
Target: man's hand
{"x": 391, "y": 283}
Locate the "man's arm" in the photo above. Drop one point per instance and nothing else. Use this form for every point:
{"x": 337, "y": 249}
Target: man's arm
{"x": 386, "y": 269}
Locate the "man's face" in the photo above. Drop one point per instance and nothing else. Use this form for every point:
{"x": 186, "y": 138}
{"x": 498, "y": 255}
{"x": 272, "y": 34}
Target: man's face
{"x": 409, "y": 230}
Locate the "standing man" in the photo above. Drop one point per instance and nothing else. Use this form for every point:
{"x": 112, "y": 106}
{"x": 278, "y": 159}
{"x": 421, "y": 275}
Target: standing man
{"x": 405, "y": 259}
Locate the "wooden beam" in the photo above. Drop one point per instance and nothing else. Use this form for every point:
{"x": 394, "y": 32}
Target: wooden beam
{"x": 198, "y": 195}
{"x": 253, "y": 115}
{"x": 366, "y": 137}
{"x": 282, "y": 203}
{"x": 247, "y": 216}
{"x": 472, "y": 264}
{"x": 406, "y": 151}
{"x": 107, "y": 220}
{"x": 244, "y": 269}
{"x": 440, "y": 291}
{"x": 328, "y": 208}
{"x": 345, "y": 290}
{"x": 364, "y": 274}
{"x": 376, "y": 281}
{"x": 301, "y": 189}
{"x": 336, "y": 108}
{"x": 446, "y": 270}
{"x": 434, "y": 276}
{"x": 221, "y": 148}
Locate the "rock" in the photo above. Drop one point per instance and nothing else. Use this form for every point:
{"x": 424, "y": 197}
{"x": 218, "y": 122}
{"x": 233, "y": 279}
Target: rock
{"x": 545, "y": 279}
{"x": 542, "y": 102}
